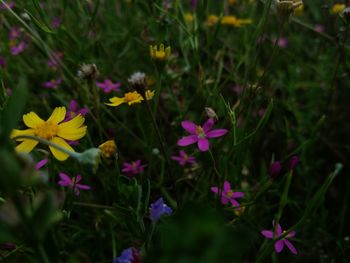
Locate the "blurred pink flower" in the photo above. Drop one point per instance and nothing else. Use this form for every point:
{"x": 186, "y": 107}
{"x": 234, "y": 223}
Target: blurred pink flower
{"x": 107, "y": 86}
{"x": 199, "y": 134}
{"x": 18, "y": 49}
{"x": 52, "y": 84}
{"x": 133, "y": 168}
{"x": 227, "y": 195}
{"x": 56, "y": 22}
{"x": 74, "y": 110}
{"x": 320, "y": 28}
{"x": 279, "y": 244}
{"x": 72, "y": 183}
{"x": 183, "y": 158}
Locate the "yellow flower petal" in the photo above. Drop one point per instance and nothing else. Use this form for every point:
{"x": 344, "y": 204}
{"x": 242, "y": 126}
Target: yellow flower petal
{"x": 15, "y": 133}
{"x": 72, "y": 135}
{"x": 115, "y": 101}
{"x": 72, "y": 129}
{"x": 26, "y": 146}
{"x": 61, "y": 156}
{"x": 32, "y": 120}
{"x": 57, "y": 115}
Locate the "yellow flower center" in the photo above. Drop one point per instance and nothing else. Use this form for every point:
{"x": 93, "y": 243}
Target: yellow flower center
{"x": 132, "y": 96}
{"x": 46, "y": 130}
{"x": 200, "y": 131}
{"x": 229, "y": 194}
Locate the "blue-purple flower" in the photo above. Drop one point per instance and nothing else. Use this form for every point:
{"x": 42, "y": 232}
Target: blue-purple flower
{"x": 129, "y": 255}
{"x": 159, "y": 208}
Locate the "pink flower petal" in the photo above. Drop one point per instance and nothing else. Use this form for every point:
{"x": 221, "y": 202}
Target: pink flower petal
{"x": 189, "y": 126}
{"x": 203, "y": 144}
{"x": 234, "y": 202}
{"x": 216, "y": 133}
{"x": 279, "y": 246}
{"x": 279, "y": 230}
{"x": 83, "y": 186}
{"x": 41, "y": 164}
{"x": 291, "y": 234}
{"x": 238, "y": 195}
{"x": 267, "y": 234}
{"x": 227, "y": 186}
{"x": 290, "y": 246}
{"x": 224, "y": 200}
{"x": 187, "y": 140}
{"x": 214, "y": 189}
{"x": 208, "y": 125}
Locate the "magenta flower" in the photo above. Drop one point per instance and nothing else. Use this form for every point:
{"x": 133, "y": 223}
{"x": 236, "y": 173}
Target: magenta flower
{"x": 279, "y": 244}
{"x": 184, "y": 158}
{"x": 56, "y": 22}
{"x": 293, "y": 162}
{"x": 41, "y": 164}
{"x": 52, "y": 84}
{"x": 282, "y": 42}
{"x": 18, "y": 49}
{"x": 75, "y": 110}
{"x": 275, "y": 169}
{"x": 55, "y": 60}
{"x": 72, "y": 183}
{"x": 15, "y": 33}
{"x": 133, "y": 168}
{"x": 227, "y": 195}
{"x": 107, "y": 86}
{"x": 200, "y": 134}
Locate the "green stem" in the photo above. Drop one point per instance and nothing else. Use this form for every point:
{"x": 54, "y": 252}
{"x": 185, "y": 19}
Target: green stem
{"x": 48, "y": 143}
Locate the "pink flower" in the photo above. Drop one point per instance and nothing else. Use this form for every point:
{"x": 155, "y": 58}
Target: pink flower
{"x": 72, "y": 183}
{"x": 41, "y": 163}
{"x": 184, "y": 158}
{"x": 200, "y": 134}
{"x": 107, "y": 86}
{"x": 133, "y": 168}
{"x": 18, "y": 49}
{"x": 319, "y": 28}
{"x": 74, "y": 110}
{"x": 227, "y": 195}
{"x": 279, "y": 244}
{"x": 56, "y": 22}
{"x": 52, "y": 84}
{"x": 15, "y": 33}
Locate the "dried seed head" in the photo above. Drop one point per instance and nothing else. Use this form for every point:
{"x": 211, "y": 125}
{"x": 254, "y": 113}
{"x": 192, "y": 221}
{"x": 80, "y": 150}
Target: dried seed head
{"x": 88, "y": 71}
{"x": 138, "y": 80}
{"x": 211, "y": 113}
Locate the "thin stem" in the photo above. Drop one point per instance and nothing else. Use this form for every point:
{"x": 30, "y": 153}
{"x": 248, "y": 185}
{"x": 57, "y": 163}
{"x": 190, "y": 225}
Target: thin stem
{"x": 48, "y": 143}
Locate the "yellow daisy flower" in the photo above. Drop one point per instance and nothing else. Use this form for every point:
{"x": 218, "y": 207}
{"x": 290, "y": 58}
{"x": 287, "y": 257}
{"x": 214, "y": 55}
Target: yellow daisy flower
{"x": 161, "y": 54}
{"x": 53, "y": 130}
{"x": 130, "y": 98}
